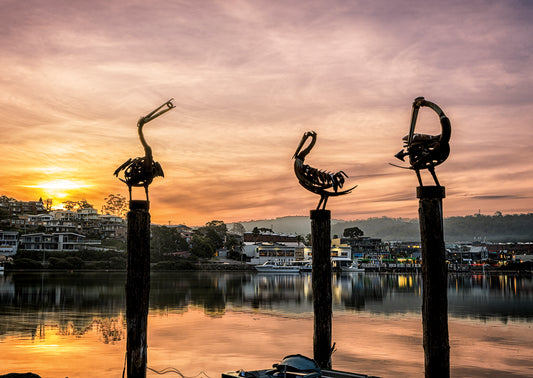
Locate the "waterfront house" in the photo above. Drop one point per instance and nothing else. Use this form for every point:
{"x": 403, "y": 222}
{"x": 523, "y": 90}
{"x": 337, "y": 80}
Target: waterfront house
{"x": 8, "y": 243}
{"x": 59, "y": 241}
{"x": 468, "y": 253}
{"x": 38, "y": 219}
{"x": 267, "y": 245}
{"x": 263, "y": 252}
{"x": 340, "y": 253}
{"x": 112, "y": 226}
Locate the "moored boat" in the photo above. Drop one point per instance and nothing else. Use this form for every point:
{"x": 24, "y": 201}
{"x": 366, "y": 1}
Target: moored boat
{"x": 278, "y": 267}
{"x": 353, "y": 267}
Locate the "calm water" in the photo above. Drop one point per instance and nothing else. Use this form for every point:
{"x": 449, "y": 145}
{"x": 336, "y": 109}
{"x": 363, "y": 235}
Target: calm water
{"x": 73, "y": 324}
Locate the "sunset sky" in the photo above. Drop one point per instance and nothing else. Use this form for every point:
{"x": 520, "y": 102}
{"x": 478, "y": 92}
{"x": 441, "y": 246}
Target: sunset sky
{"x": 248, "y": 79}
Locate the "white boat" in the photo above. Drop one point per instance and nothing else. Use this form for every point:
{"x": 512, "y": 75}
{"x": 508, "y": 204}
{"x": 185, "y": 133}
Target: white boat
{"x": 353, "y": 267}
{"x": 279, "y": 267}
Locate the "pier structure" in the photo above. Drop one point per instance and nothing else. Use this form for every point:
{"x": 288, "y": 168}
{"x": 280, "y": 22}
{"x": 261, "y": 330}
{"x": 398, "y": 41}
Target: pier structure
{"x": 137, "y": 288}
{"x": 434, "y": 282}
{"x": 321, "y": 282}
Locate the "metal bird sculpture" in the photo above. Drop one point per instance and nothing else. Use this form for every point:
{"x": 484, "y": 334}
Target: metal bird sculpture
{"x": 140, "y": 171}
{"x": 426, "y": 151}
{"x": 315, "y": 180}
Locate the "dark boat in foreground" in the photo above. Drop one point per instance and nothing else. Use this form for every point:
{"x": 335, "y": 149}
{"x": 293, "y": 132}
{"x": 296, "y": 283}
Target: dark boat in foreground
{"x": 294, "y": 366}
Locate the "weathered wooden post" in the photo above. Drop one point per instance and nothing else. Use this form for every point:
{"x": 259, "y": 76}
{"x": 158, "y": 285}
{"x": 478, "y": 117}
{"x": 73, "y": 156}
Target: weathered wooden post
{"x": 321, "y": 282}
{"x": 139, "y": 172}
{"x": 434, "y": 282}
{"x": 319, "y": 182}
{"x": 137, "y": 288}
{"x": 426, "y": 152}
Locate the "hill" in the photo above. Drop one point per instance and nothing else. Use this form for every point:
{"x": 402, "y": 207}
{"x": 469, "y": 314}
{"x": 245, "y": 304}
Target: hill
{"x": 493, "y": 228}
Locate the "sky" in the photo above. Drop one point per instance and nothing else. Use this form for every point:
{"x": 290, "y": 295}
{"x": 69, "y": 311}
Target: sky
{"x": 248, "y": 78}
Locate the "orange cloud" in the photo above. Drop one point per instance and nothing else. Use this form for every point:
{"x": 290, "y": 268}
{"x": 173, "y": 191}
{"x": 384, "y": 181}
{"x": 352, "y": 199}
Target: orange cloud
{"x": 248, "y": 80}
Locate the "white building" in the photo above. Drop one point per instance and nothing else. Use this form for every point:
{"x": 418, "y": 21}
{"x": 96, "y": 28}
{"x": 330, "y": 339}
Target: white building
{"x": 263, "y": 252}
{"x": 64, "y": 215}
{"x": 39, "y": 219}
{"x": 112, "y": 226}
{"x": 87, "y": 214}
{"x": 59, "y": 241}
{"x": 8, "y": 243}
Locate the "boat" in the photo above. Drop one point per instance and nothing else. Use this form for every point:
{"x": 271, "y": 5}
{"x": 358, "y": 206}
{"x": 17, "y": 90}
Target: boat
{"x": 307, "y": 267}
{"x": 353, "y": 267}
{"x": 294, "y": 366}
{"x": 279, "y": 267}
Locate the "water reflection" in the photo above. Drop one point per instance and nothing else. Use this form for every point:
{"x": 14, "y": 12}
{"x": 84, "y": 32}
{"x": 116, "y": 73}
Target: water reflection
{"x": 77, "y": 302}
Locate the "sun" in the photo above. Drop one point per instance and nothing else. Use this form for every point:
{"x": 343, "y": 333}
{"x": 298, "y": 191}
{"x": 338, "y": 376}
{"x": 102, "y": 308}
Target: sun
{"x": 59, "y": 188}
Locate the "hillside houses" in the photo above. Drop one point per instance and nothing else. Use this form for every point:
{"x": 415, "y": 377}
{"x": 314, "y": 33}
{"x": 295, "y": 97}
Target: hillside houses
{"x": 28, "y": 217}
{"x": 28, "y": 225}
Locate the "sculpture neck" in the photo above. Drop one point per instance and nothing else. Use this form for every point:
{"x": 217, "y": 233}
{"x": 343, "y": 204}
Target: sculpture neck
{"x": 147, "y": 148}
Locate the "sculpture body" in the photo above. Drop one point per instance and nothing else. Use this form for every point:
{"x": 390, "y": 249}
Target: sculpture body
{"x": 426, "y": 151}
{"x": 321, "y": 182}
{"x": 140, "y": 171}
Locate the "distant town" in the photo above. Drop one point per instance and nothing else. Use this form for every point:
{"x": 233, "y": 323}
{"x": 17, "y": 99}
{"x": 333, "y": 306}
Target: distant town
{"x": 35, "y": 236}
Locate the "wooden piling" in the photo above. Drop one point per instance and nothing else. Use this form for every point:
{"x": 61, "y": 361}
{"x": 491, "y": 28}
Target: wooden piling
{"x": 137, "y": 288}
{"x": 435, "y": 282}
{"x": 321, "y": 277}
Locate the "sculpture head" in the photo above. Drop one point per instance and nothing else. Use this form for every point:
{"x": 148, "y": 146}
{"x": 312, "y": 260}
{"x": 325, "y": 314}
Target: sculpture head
{"x": 302, "y": 153}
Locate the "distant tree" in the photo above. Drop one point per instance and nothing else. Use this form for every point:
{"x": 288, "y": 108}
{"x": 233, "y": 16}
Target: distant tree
{"x": 115, "y": 204}
{"x": 218, "y": 226}
{"x": 201, "y": 247}
{"x": 255, "y": 232}
{"x": 6, "y": 199}
{"x": 233, "y": 244}
{"x": 207, "y": 239}
{"x": 70, "y": 205}
{"x": 308, "y": 239}
{"x": 352, "y": 232}
{"x": 213, "y": 232}
{"x": 48, "y": 204}
{"x": 83, "y": 204}
{"x": 166, "y": 240}
{"x": 214, "y": 238}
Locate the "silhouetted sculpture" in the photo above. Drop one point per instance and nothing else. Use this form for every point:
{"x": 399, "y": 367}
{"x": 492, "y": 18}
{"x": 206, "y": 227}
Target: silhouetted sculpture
{"x": 426, "y": 151}
{"x": 140, "y": 171}
{"x": 315, "y": 180}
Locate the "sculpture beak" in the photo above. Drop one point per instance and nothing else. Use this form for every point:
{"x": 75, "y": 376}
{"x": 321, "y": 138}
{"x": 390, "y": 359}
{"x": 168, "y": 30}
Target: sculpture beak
{"x": 400, "y": 155}
{"x": 302, "y": 142}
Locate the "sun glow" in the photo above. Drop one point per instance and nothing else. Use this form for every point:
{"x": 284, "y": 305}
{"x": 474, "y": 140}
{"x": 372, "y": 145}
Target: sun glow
{"x": 59, "y": 188}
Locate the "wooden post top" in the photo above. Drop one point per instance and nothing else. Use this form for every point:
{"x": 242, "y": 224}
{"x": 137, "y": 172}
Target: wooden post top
{"x": 318, "y": 215}
{"x": 139, "y": 205}
{"x": 427, "y": 192}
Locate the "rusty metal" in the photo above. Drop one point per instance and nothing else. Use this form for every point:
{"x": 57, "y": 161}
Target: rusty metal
{"x": 140, "y": 171}
{"x": 324, "y": 183}
{"x": 426, "y": 151}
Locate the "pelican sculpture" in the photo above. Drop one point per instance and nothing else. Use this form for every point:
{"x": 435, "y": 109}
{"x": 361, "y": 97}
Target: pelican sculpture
{"x": 140, "y": 171}
{"x": 426, "y": 151}
{"x": 321, "y": 182}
